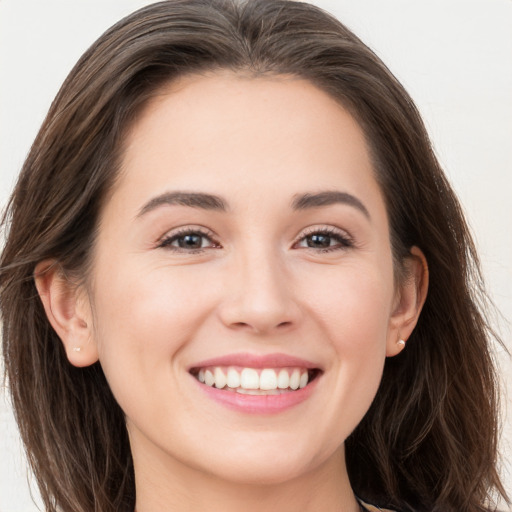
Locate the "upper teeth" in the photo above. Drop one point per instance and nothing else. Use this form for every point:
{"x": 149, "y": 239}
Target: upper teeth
{"x": 253, "y": 379}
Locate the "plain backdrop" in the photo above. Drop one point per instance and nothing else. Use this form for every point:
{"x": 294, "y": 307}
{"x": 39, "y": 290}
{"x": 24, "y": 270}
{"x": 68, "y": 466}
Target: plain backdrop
{"x": 453, "y": 56}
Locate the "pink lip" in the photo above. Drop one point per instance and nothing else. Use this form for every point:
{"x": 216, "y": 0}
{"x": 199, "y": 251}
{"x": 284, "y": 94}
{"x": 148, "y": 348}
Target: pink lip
{"x": 247, "y": 360}
{"x": 258, "y": 404}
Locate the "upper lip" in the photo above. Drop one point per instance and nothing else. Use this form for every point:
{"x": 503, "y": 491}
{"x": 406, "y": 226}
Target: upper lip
{"x": 246, "y": 360}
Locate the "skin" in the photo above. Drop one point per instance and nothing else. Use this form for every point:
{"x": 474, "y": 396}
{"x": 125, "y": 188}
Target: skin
{"x": 149, "y": 312}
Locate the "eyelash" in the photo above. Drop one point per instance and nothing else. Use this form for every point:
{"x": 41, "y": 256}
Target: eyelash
{"x": 344, "y": 241}
{"x": 173, "y": 237}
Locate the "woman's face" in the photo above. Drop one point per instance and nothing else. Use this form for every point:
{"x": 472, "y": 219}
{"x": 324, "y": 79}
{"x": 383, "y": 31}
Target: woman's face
{"x": 247, "y": 244}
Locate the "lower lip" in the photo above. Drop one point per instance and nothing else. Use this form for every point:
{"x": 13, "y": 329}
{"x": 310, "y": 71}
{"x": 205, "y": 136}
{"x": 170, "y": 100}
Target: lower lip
{"x": 258, "y": 404}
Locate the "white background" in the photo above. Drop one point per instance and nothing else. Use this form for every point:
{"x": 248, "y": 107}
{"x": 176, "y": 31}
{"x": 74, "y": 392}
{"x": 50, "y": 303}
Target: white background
{"x": 453, "y": 56}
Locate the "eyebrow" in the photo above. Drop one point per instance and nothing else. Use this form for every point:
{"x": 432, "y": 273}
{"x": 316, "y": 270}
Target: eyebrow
{"x": 212, "y": 202}
{"x": 328, "y": 198}
{"x": 191, "y": 199}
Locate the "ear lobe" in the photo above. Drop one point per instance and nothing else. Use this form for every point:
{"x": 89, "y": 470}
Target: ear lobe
{"x": 68, "y": 311}
{"x": 410, "y": 299}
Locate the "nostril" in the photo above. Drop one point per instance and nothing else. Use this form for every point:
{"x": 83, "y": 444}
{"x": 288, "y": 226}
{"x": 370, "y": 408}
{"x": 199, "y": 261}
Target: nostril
{"x": 245, "y": 325}
{"x": 239, "y": 324}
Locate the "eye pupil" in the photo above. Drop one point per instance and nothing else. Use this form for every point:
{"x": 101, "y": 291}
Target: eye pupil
{"x": 190, "y": 241}
{"x": 319, "y": 240}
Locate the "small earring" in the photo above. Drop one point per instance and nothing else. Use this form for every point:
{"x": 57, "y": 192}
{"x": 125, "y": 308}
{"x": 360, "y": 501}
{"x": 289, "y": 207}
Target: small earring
{"x": 401, "y": 343}
{"x": 77, "y": 349}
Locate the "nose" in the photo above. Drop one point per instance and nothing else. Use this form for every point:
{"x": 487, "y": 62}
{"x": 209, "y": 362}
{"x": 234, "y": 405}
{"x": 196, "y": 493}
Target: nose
{"x": 259, "y": 297}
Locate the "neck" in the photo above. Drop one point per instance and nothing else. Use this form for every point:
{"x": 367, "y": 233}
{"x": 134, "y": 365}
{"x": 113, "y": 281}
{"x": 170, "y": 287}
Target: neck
{"x": 172, "y": 486}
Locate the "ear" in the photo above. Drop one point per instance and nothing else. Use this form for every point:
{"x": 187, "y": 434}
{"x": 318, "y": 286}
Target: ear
{"x": 410, "y": 298}
{"x": 68, "y": 310}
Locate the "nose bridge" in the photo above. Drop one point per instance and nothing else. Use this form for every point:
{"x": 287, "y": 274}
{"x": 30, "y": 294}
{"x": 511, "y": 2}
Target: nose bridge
{"x": 258, "y": 294}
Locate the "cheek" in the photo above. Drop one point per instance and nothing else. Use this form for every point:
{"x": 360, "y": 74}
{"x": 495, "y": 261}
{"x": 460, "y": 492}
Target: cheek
{"x": 353, "y": 316}
{"x": 143, "y": 317}
{"x": 148, "y": 298}
{"x": 353, "y": 304}
{"x": 360, "y": 329}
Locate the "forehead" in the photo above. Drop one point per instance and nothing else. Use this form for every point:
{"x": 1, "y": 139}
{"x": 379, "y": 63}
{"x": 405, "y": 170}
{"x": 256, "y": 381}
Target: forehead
{"x": 221, "y": 131}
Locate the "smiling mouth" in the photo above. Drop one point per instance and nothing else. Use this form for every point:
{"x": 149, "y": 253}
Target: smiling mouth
{"x": 255, "y": 381}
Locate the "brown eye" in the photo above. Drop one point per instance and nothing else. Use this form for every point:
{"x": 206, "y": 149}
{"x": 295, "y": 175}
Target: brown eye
{"x": 319, "y": 241}
{"x": 325, "y": 240}
{"x": 188, "y": 240}
{"x": 191, "y": 241}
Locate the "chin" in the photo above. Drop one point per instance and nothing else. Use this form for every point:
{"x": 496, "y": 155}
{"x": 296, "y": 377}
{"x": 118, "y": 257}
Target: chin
{"x": 255, "y": 472}
{"x": 255, "y": 465}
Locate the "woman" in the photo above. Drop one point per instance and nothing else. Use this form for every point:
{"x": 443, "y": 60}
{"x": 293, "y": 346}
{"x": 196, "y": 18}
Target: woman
{"x": 230, "y": 258}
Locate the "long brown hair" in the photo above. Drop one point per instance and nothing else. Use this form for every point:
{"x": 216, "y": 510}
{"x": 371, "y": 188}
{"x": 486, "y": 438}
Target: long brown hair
{"x": 429, "y": 440}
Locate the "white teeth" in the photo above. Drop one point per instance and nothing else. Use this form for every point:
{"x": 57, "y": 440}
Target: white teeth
{"x": 283, "y": 380}
{"x": 295, "y": 379}
{"x": 268, "y": 379}
{"x": 220, "y": 378}
{"x": 250, "y": 379}
{"x": 233, "y": 378}
{"x": 209, "y": 379}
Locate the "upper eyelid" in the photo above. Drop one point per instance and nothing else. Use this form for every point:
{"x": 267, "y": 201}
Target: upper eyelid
{"x": 182, "y": 230}
{"x": 345, "y": 239}
{"x": 333, "y": 230}
{"x": 186, "y": 229}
